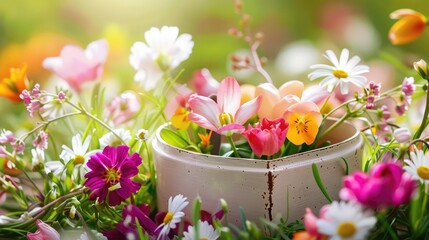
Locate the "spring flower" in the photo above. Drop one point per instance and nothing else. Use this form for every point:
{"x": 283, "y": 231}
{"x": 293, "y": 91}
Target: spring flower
{"x": 17, "y": 82}
{"x": 123, "y": 108}
{"x": 267, "y": 138}
{"x": 310, "y": 224}
{"x": 204, "y": 83}
{"x": 409, "y": 26}
{"x": 130, "y": 215}
{"x": 79, "y": 153}
{"x": 110, "y": 139}
{"x": 6, "y": 136}
{"x": 402, "y": 135}
{"x": 142, "y": 135}
{"x": 385, "y": 185}
{"x": 38, "y": 157}
{"x": 226, "y": 116}
{"x": 205, "y": 144}
{"x": 304, "y": 119}
{"x": 276, "y": 101}
{"x": 346, "y": 221}
{"x": 41, "y": 141}
{"x": 418, "y": 166}
{"x": 76, "y": 65}
{"x": 422, "y": 68}
{"x": 174, "y": 214}
{"x": 44, "y": 231}
{"x": 110, "y": 175}
{"x": 177, "y": 109}
{"x": 163, "y": 51}
{"x": 205, "y": 231}
{"x": 343, "y": 72}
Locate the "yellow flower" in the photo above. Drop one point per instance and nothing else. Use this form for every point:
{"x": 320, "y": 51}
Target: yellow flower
{"x": 180, "y": 119}
{"x": 304, "y": 119}
{"x": 409, "y": 26}
{"x": 12, "y": 87}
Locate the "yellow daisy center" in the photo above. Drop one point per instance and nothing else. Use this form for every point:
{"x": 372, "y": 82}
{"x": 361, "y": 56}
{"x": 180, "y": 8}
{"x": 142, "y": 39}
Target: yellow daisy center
{"x": 204, "y": 239}
{"x": 78, "y": 160}
{"x": 340, "y": 73}
{"x": 346, "y": 229}
{"x": 168, "y": 217}
{"x": 112, "y": 176}
{"x": 226, "y": 118}
{"x": 423, "y": 172}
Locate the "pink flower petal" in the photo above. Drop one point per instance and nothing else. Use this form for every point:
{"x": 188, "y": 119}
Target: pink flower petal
{"x": 228, "y": 96}
{"x": 247, "y": 110}
{"x": 205, "y": 112}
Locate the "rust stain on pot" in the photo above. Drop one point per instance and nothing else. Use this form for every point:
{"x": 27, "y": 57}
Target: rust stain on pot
{"x": 270, "y": 184}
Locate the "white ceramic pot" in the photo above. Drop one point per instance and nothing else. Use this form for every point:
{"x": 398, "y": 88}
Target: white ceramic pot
{"x": 263, "y": 188}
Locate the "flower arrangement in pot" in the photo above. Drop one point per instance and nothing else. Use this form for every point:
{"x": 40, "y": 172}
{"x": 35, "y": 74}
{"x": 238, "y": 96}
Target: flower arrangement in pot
{"x": 258, "y": 161}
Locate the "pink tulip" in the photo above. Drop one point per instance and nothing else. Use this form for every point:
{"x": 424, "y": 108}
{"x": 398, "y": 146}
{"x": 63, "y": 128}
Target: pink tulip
{"x": 204, "y": 83}
{"x": 226, "y": 116}
{"x": 267, "y": 138}
{"x": 44, "y": 232}
{"x": 76, "y": 65}
{"x": 385, "y": 185}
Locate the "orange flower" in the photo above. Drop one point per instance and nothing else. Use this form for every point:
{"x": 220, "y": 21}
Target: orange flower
{"x": 13, "y": 86}
{"x": 409, "y": 26}
{"x": 205, "y": 139}
{"x": 304, "y": 119}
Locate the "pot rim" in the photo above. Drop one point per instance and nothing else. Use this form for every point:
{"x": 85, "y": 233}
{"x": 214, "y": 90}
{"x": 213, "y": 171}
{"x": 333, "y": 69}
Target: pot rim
{"x": 235, "y": 159}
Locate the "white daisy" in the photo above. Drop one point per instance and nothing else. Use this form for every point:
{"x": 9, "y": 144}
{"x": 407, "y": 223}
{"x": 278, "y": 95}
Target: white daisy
{"x": 343, "y": 72}
{"x": 418, "y": 166}
{"x": 164, "y": 50}
{"x": 174, "y": 214}
{"x": 110, "y": 139}
{"x": 79, "y": 154}
{"x": 206, "y": 231}
{"x": 38, "y": 157}
{"x": 344, "y": 221}
{"x": 52, "y": 107}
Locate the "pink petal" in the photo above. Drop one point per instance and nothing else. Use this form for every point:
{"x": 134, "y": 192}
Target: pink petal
{"x": 205, "y": 112}
{"x": 230, "y": 129}
{"x": 247, "y": 110}
{"x": 97, "y": 51}
{"x": 283, "y": 105}
{"x": 228, "y": 96}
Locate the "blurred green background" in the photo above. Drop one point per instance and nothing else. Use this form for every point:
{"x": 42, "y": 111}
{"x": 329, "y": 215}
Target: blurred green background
{"x": 296, "y": 35}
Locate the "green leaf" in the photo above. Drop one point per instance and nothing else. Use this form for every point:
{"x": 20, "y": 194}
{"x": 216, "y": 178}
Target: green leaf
{"x": 319, "y": 182}
{"x": 196, "y": 216}
{"x": 174, "y": 139}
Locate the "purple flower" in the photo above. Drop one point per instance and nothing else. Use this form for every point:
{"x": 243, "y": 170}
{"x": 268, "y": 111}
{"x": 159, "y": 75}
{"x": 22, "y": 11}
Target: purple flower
{"x": 6, "y": 136}
{"x": 41, "y": 141}
{"x": 123, "y": 108}
{"x": 408, "y": 86}
{"x": 385, "y": 185}
{"x": 128, "y": 227}
{"x": 110, "y": 174}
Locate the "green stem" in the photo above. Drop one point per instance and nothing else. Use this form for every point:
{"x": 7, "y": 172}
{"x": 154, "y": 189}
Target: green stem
{"x": 424, "y": 120}
{"x": 333, "y": 126}
{"x": 234, "y": 149}
{"x": 82, "y": 110}
{"x": 425, "y": 200}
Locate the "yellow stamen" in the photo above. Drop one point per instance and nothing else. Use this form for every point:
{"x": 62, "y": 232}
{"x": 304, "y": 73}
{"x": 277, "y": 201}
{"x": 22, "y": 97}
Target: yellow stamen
{"x": 226, "y": 118}
{"x": 340, "y": 73}
{"x": 112, "y": 176}
{"x": 423, "y": 172}
{"x": 78, "y": 160}
{"x": 168, "y": 217}
{"x": 346, "y": 229}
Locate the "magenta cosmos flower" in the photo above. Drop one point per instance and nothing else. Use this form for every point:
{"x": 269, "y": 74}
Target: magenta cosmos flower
{"x": 267, "y": 138}
{"x": 110, "y": 174}
{"x": 226, "y": 116}
{"x": 385, "y": 185}
{"x": 76, "y": 65}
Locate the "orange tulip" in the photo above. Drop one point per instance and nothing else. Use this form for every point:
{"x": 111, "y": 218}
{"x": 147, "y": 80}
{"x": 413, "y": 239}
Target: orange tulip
{"x": 409, "y": 26}
{"x": 12, "y": 87}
